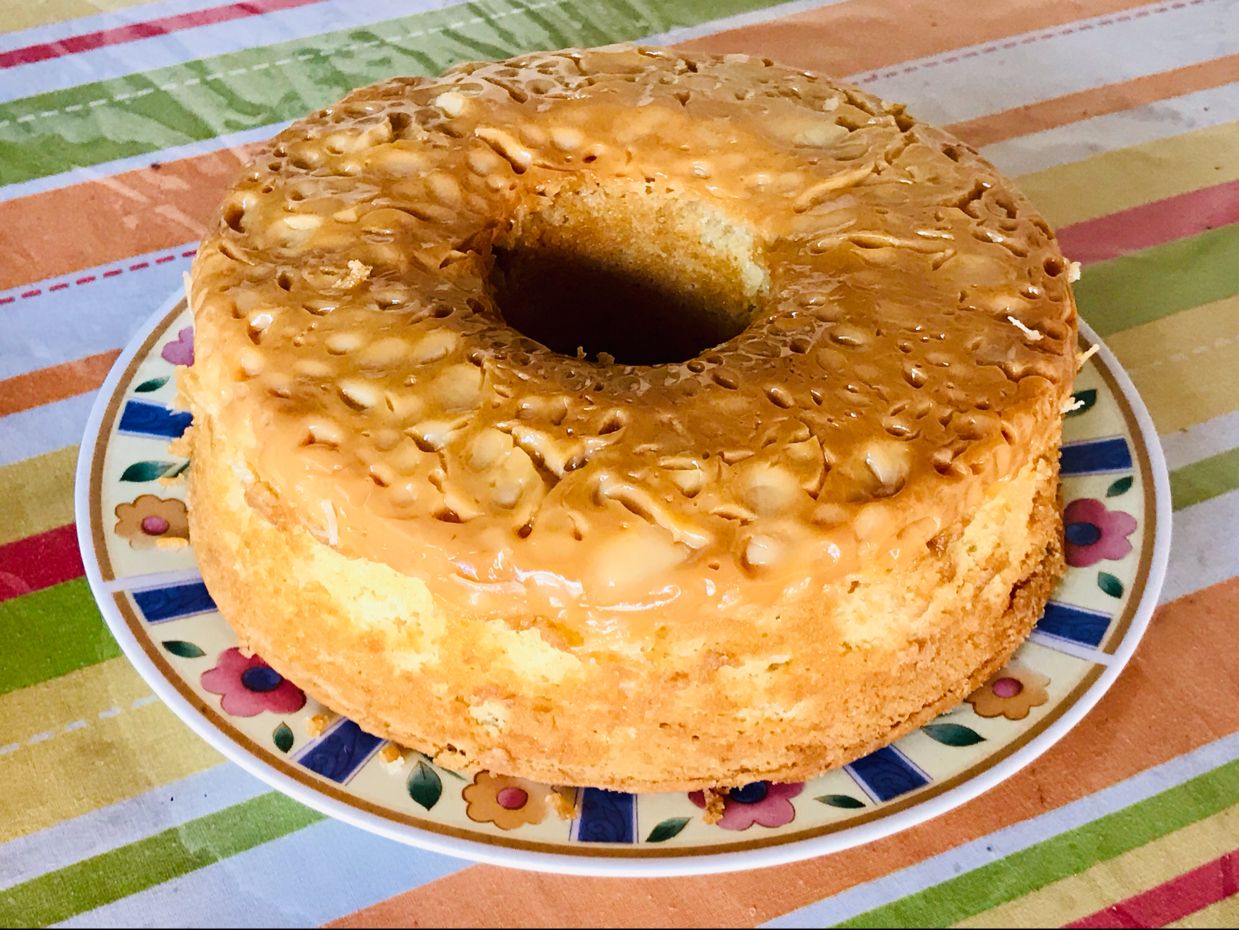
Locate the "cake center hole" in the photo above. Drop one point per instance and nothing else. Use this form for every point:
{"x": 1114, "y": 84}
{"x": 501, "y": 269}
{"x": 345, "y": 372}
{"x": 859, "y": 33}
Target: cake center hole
{"x": 626, "y": 276}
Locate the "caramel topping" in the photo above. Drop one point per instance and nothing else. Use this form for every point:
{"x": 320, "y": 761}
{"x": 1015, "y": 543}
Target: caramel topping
{"x": 867, "y": 326}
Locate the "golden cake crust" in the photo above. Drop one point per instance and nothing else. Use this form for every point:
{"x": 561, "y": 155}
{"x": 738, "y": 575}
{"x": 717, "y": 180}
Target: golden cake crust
{"x": 783, "y": 699}
{"x": 560, "y": 565}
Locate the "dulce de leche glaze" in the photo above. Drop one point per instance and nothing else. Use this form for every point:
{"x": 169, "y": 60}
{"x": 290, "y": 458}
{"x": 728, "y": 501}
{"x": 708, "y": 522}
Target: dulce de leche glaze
{"x": 910, "y": 336}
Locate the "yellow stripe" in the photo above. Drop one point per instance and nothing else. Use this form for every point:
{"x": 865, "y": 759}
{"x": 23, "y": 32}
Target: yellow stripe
{"x": 76, "y": 696}
{"x": 98, "y": 760}
{"x": 1140, "y": 869}
{"x": 1223, "y": 914}
{"x": 1130, "y": 177}
{"x": 14, "y": 16}
{"x": 37, "y": 494}
{"x": 1183, "y": 364}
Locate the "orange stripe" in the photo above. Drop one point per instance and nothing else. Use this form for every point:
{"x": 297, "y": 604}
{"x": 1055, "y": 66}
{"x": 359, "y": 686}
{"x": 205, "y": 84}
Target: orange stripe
{"x": 1129, "y": 732}
{"x": 860, "y": 35}
{"x": 1098, "y": 101}
{"x": 55, "y": 383}
{"x": 153, "y": 208}
{"x": 115, "y": 217}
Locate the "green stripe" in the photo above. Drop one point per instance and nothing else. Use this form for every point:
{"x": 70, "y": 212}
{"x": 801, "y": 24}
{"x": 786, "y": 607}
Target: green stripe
{"x": 1153, "y": 283}
{"x": 1207, "y": 478}
{"x": 49, "y": 633}
{"x": 1062, "y": 856}
{"x": 88, "y": 124}
{"x": 120, "y": 872}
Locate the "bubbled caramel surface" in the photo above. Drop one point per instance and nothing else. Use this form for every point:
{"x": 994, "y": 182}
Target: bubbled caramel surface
{"x": 912, "y": 342}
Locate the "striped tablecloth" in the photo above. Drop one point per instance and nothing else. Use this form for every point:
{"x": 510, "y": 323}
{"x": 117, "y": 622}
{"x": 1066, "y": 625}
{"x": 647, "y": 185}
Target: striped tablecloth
{"x": 121, "y": 122}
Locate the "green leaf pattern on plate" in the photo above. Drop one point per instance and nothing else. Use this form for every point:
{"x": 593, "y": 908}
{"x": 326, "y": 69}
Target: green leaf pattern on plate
{"x": 283, "y": 737}
{"x": 669, "y": 828}
{"x": 154, "y": 384}
{"x": 845, "y": 801}
{"x": 1085, "y": 401}
{"x": 952, "y": 734}
{"x": 182, "y": 648}
{"x": 148, "y": 471}
{"x": 425, "y": 785}
{"x": 1121, "y": 486}
{"x": 1109, "y": 584}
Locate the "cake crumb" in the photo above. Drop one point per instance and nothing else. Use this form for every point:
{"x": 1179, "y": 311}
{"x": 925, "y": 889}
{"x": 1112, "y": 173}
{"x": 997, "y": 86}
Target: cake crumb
{"x": 316, "y": 725}
{"x": 564, "y": 802}
{"x": 332, "y": 527}
{"x": 1072, "y": 404}
{"x": 1073, "y": 272}
{"x": 716, "y": 802}
{"x": 392, "y": 757}
{"x": 357, "y": 273}
{"x": 182, "y": 445}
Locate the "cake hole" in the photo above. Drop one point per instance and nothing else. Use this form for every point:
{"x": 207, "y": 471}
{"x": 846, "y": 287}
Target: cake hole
{"x": 614, "y": 422}
{"x": 641, "y": 278}
{"x": 234, "y": 216}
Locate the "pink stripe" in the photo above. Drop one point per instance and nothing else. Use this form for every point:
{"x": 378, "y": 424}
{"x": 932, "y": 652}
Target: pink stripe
{"x": 144, "y": 30}
{"x": 39, "y": 561}
{"x": 1151, "y": 224}
{"x": 1173, "y": 900}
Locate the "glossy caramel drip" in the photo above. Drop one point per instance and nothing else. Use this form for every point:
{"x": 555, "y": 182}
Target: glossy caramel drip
{"x": 910, "y": 339}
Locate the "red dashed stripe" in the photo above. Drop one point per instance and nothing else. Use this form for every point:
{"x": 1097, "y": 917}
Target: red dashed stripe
{"x": 90, "y": 278}
{"x": 1028, "y": 40}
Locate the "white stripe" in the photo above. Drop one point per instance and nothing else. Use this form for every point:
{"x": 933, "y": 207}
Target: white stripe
{"x": 203, "y": 42}
{"x": 44, "y": 429}
{"x": 1072, "y": 649}
{"x": 109, "y": 168}
{"x": 738, "y": 21}
{"x": 1221, "y": 434}
{"x": 104, "y": 312}
{"x": 153, "y": 580}
{"x": 307, "y": 878}
{"x": 1086, "y": 138}
{"x": 1089, "y": 53}
{"x": 127, "y": 822}
{"x": 1204, "y": 551}
{"x": 1013, "y": 839}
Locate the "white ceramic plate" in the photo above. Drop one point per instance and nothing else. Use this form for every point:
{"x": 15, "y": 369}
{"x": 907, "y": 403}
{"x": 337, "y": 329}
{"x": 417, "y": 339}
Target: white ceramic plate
{"x": 142, "y": 571}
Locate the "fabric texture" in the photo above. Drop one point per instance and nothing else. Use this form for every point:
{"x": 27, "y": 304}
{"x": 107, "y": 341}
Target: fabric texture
{"x": 121, "y": 123}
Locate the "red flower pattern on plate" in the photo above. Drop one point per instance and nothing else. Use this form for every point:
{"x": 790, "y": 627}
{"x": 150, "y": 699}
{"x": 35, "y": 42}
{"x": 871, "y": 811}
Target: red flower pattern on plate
{"x": 1094, "y": 533}
{"x": 760, "y": 802}
{"x": 249, "y": 686}
{"x": 180, "y": 351}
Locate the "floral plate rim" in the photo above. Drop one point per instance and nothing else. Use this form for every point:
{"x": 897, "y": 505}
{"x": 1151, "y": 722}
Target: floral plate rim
{"x": 642, "y": 861}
